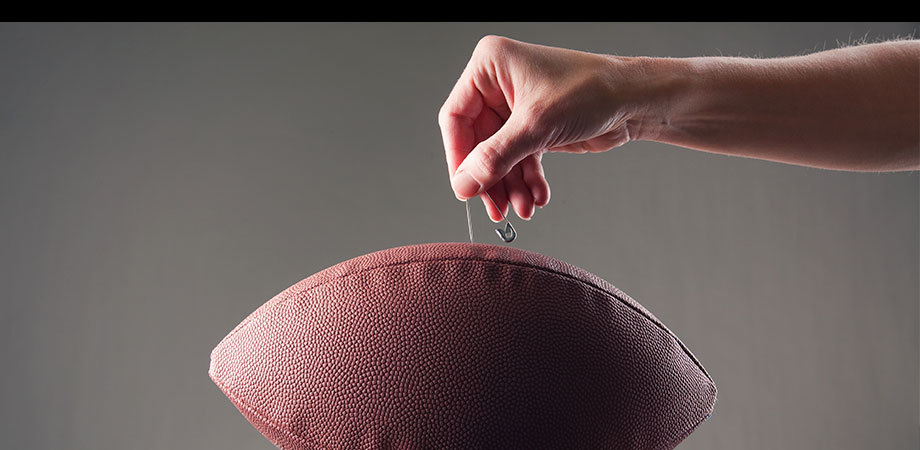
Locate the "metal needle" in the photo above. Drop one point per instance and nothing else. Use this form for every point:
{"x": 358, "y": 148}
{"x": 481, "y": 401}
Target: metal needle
{"x": 507, "y": 235}
{"x": 469, "y": 222}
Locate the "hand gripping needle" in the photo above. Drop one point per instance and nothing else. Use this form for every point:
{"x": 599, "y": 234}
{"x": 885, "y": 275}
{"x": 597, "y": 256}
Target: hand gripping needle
{"x": 507, "y": 235}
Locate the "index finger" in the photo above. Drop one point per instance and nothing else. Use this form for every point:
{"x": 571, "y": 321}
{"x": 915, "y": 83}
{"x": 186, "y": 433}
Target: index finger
{"x": 456, "y": 119}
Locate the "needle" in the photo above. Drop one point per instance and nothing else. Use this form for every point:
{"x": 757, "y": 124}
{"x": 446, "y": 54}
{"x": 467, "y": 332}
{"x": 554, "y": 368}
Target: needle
{"x": 507, "y": 235}
{"x": 469, "y": 222}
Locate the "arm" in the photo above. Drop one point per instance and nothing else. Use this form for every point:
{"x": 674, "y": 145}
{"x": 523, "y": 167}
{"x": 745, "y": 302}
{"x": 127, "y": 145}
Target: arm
{"x": 854, "y": 108}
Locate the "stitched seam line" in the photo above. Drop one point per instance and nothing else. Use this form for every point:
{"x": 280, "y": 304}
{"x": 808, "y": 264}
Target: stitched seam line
{"x": 297, "y": 294}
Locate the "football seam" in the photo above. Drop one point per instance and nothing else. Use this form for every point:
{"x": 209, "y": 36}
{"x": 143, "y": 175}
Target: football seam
{"x": 298, "y": 295}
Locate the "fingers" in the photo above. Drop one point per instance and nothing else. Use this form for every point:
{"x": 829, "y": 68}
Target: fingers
{"x": 519, "y": 193}
{"x": 492, "y": 159}
{"x": 532, "y": 174}
{"x": 484, "y": 140}
{"x": 456, "y": 119}
{"x": 526, "y": 186}
{"x": 476, "y": 90}
{"x": 500, "y": 196}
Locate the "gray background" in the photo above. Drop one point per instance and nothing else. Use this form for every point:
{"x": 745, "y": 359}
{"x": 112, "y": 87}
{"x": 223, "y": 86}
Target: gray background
{"x": 158, "y": 182}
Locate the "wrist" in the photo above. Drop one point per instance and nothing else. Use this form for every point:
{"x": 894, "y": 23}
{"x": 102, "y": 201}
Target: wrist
{"x": 649, "y": 93}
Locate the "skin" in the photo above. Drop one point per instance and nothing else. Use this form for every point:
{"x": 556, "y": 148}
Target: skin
{"x": 854, "y": 109}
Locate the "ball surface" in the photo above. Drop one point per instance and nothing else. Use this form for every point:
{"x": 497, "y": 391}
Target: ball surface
{"x": 456, "y": 345}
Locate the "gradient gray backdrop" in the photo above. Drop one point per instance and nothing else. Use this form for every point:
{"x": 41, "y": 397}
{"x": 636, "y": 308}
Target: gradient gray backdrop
{"x": 158, "y": 182}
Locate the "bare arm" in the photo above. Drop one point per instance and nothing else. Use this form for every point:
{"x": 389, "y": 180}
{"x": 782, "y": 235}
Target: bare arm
{"x": 854, "y": 108}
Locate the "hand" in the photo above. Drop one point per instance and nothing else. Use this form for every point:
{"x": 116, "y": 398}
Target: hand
{"x": 515, "y": 101}
{"x": 846, "y": 109}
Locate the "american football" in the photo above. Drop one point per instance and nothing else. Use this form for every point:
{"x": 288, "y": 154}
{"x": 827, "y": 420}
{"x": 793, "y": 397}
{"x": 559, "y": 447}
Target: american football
{"x": 457, "y": 345}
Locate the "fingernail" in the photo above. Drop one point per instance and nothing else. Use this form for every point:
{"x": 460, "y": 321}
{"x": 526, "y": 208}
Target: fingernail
{"x": 529, "y": 216}
{"x": 464, "y": 185}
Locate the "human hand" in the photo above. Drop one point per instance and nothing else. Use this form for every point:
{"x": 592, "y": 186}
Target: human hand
{"x": 845, "y": 109}
{"x": 515, "y": 101}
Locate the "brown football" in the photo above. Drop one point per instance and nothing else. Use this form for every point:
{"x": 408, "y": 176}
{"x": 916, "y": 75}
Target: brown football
{"x": 460, "y": 346}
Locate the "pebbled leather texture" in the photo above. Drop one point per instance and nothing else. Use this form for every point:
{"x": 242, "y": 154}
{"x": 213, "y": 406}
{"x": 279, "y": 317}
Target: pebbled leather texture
{"x": 460, "y": 346}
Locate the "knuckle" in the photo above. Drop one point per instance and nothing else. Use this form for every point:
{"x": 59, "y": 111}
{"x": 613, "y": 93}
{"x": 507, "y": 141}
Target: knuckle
{"x": 490, "y": 161}
{"x": 443, "y": 116}
{"x": 492, "y": 44}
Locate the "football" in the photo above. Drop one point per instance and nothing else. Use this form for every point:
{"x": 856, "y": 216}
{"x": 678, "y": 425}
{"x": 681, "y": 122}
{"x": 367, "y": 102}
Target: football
{"x": 460, "y": 346}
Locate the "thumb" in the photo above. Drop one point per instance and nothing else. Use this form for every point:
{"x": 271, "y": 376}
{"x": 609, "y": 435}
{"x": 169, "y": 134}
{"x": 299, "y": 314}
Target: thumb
{"x": 494, "y": 157}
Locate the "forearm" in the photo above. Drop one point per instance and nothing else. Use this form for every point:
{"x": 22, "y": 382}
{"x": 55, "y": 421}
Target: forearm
{"x": 855, "y": 108}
